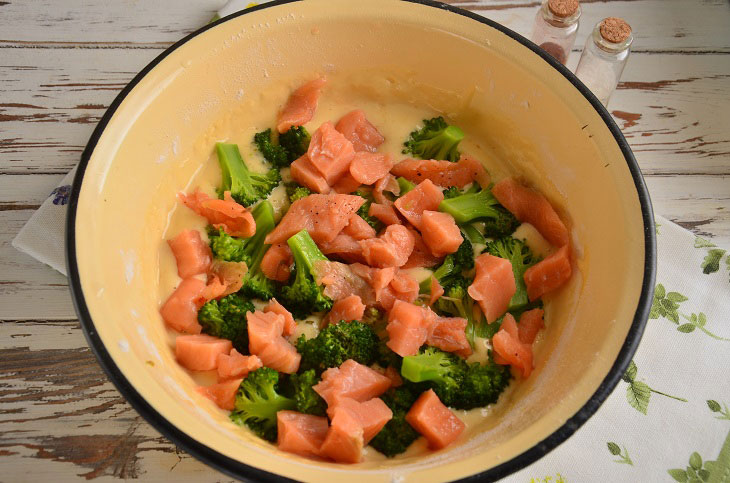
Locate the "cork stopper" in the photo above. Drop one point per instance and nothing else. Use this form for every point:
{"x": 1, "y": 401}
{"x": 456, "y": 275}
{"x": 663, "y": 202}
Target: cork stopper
{"x": 563, "y": 8}
{"x": 615, "y": 30}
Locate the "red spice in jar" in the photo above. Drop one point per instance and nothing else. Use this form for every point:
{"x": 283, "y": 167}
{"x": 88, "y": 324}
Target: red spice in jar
{"x": 556, "y": 51}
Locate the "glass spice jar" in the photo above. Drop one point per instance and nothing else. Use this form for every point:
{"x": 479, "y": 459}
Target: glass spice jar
{"x": 604, "y": 57}
{"x": 556, "y": 26}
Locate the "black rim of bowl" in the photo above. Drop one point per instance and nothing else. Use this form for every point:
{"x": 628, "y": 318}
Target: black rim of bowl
{"x": 241, "y": 470}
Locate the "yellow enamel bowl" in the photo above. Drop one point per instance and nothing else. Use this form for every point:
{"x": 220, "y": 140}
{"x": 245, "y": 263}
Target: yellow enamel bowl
{"x": 540, "y": 122}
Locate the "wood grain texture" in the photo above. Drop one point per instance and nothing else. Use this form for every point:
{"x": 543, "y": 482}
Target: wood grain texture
{"x": 62, "y": 64}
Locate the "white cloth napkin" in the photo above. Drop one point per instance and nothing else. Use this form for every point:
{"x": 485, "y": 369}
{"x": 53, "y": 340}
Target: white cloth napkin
{"x": 668, "y": 419}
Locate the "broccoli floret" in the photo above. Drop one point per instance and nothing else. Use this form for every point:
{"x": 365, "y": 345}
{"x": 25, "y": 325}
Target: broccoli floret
{"x": 453, "y": 265}
{"x": 295, "y": 142}
{"x": 272, "y": 152}
{"x": 482, "y": 206}
{"x": 472, "y": 234}
{"x": 365, "y": 208}
{"x": 257, "y": 402}
{"x": 456, "y": 302}
{"x": 435, "y": 140}
{"x": 296, "y": 192}
{"x": 452, "y": 192}
{"x": 306, "y": 398}
{"x": 405, "y": 185}
{"x": 246, "y": 187}
{"x": 397, "y": 435}
{"x": 337, "y": 343}
{"x": 302, "y": 295}
{"x": 456, "y": 383}
{"x": 225, "y": 247}
{"x": 503, "y": 224}
{"x": 226, "y": 318}
{"x": 521, "y": 258}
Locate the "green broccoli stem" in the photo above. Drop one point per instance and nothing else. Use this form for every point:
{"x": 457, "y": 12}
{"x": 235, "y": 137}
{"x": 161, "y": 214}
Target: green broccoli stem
{"x": 446, "y": 143}
{"x": 473, "y": 234}
{"x": 263, "y": 215}
{"x": 472, "y": 206}
{"x": 232, "y": 165}
{"x": 305, "y": 251}
{"x": 404, "y": 185}
{"x": 447, "y": 268}
{"x": 423, "y": 367}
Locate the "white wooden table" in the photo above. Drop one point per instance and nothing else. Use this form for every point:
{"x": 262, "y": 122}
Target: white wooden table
{"x": 62, "y": 63}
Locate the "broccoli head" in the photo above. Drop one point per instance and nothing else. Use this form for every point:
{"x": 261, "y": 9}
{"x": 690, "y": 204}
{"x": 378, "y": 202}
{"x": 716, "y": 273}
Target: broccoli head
{"x": 386, "y": 357}
{"x": 302, "y": 296}
{"x": 364, "y": 209}
{"x": 296, "y": 192}
{"x": 452, "y": 266}
{"x": 337, "y": 343}
{"x": 306, "y": 398}
{"x": 272, "y": 152}
{"x": 482, "y": 206}
{"x": 397, "y": 435}
{"x": 226, "y": 319}
{"x": 482, "y": 385}
{"x": 245, "y": 186}
{"x": 295, "y": 142}
{"x": 435, "y": 140}
{"x": 257, "y": 402}
{"x": 456, "y": 302}
{"x": 225, "y": 247}
{"x": 521, "y": 258}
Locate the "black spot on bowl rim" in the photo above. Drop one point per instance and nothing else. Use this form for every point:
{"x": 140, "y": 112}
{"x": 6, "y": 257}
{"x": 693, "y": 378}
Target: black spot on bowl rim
{"x": 246, "y": 472}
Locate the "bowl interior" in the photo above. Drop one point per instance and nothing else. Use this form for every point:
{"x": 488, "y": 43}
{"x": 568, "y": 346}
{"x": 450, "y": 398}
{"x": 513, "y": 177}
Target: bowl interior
{"x": 529, "y": 119}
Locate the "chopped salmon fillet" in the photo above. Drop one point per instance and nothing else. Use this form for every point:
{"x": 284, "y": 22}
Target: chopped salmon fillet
{"x": 437, "y": 423}
{"x": 180, "y": 311}
{"x": 341, "y": 281}
{"x": 448, "y": 334}
{"x": 351, "y": 380}
{"x": 224, "y": 278}
{"x": 358, "y": 228}
{"x": 386, "y": 183}
{"x": 532, "y": 207}
{"x": 304, "y": 173}
{"x": 343, "y": 247}
{"x": 236, "y": 365}
{"x": 323, "y": 216}
{"x": 507, "y": 345}
{"x": 394, "y": 376}
{"x": 276, "y": 262}
{"x": 346, "y": 184}
{"x": 548, "y": 274}
{"x": 290, "y": 324}
{"x": 408, "y": 328}
{"x": 391, "y": 249}
{"x": 372, "y": 414}
{"x": 222, "y": 393}
{"x": 301, "y": 434}
{"x": 367, "y": 168}
{"x": 421, "y": 255}
{"x": 363, "y": 135}
{"x": 301, "y": 105}
{"x": 330, "y": 152}
{"x": 265, "y": 340}
{"x": 346, "y": 310}
{"x": 493, "y": 286}
{"x": 443, "y": 173}
{"x": 384, "y": 213}
{"x": 436, "y": 291}
{"x": 344, "y": 440}
{"x": 425, "y": 196}
{"x": 440, "y": 233}
{"x": 235, "y": 219}
{"x": 531, "y": 321}
{"x": 200, "y": 352}
{"x": 192, "y": 254}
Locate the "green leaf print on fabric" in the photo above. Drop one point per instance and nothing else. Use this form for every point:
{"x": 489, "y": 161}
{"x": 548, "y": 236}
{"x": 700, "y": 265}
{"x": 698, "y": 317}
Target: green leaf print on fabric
{"x": 694, "y": 473}
{"x": 638, "y": 393}
{"x": 702, "y": 243}
{"x": 722, "y": 411}
{"x": 656, "y": 228}
{"x": 720, "y": 468}
{"x": 697, "y": 321}
{"x": 711, "y": 264}
{"x": 549, "y": 479}
{"x": 666, "y": 305}
{"x": 615, "y": 450}
{"x": 699, "y": 471}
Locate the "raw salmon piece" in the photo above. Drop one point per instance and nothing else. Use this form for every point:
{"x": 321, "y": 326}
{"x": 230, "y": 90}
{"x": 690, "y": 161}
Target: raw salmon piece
{"x": 394, "y": 376}
{"x": 384, "y": 213}
{"x": 434, "y": 421}
{"x": 299, "y": 108}
{"x": 180, "y": 310}
{"x": 507, "y": 345}
{"x": 440, "y": 233}
{"x": 345, "y": 185}
{"x": 391, "y": 249}
{"x": 344, "y": 247}
{"x": 448, "y": 334}
{"x": 192, "y": 254}
{"x": 361, "y": 133}
{"x": 323, "y": 216}
{"x": 405, "y": 287}
{"x": 200, "y": 352}
{"x": 345, "y": 439}
{"x": 224, "y": 278}
{"x": 532, "y": 207}
{"x": 425, "y": 196}
{"x": 549, "y": 274}
{"x": 358, "y": 228}
{"x": 372, "y": 414}
{"x": 531, "y": 322}
{"x": 443, "y": 173}
{"x": 408, "y": 327}
{"x": 222, "y": 393}
{"x": 301, "y": 434}
{"x": 436, "y": 291}
{"x": 347, "y": 309}
{"x": 330, "y": 152}
{"x": 341, "y": 281}
{"x": 263, "y": 329}
{"x": 235, "y": 219}
{"x": 421, "y": 255}
{"x": 386, "y": 183}
{"x": 351, "y": 380}
{"x": 304, "y": 173}
{"x": 280, "y": 355}
{"x": 290, "y": 324}
{"x": 380, "y": 278}
{"x": 277, "y": 261}
{"x": 367, "y": 168}
{"x": 236, "y": 365}
{"x": 493, "y": 286}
